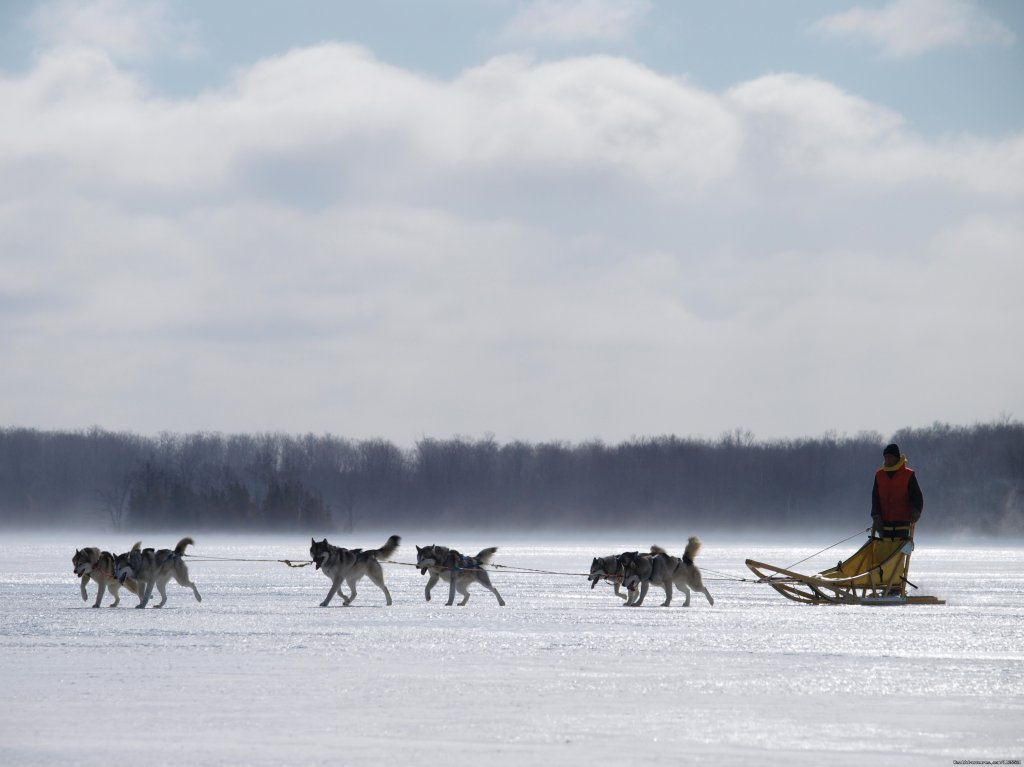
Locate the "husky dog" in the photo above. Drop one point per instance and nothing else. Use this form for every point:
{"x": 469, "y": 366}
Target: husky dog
{"x": 608, "y": 568}
{"x": 443, "y": 562}
{"x": 661, "y": 569}
{"x": 349, "y": 565}
{"x": 98, "y": 566}
{"x": 155, "y": 568}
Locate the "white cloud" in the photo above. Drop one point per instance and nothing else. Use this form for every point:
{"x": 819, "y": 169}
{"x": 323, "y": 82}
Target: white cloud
{"x": 660, "y": 263}
{"x": 124, "y": 29}
{"x": 906, "y": 28}
{"x": 573, "y": 21}
{"x": 587, "y": 116}
{"x": 813, "y": 128}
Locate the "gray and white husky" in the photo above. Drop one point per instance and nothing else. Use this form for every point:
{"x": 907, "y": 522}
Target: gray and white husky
{"x": 155, "y": 568}
{"x": 92, "y": 564}
{"x": 444, "y": 563}
{"x": 662, "y": 569}
{"x": 349, "y": 565}
{"x": 608, "y": 568}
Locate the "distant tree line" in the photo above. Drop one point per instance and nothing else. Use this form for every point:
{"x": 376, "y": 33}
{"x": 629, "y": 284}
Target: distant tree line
{"x": 973, "y": 479}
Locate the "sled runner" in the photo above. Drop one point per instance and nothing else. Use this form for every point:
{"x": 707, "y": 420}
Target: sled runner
{"x": 876, "y": 574}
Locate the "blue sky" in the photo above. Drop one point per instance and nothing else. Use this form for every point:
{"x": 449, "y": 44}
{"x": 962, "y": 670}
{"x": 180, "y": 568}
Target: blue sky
{"x": 560, "y": 219}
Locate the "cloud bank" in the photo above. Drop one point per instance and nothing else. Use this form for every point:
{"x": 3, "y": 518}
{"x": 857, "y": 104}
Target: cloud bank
{"x": 906, "y": 28}
{"x": 543, "y": 249}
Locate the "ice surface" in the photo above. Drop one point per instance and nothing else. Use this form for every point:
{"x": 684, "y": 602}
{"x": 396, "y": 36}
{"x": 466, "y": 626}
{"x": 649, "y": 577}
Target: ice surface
{"x": 259, "y": 674}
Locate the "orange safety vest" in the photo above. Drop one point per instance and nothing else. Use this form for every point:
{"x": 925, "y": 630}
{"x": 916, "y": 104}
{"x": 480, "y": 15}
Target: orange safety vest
{"x": 894, "y": 495}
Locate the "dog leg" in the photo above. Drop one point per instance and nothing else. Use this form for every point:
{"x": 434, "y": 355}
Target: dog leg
{"x": 668, "y": 595}
{"x": 618, "y": 591}
{"x": 686, "y": 590}
{"x": 99, "y": 593}
{"x": 181, "y": 576}
{"x": 377, "y": 576}
{"x": 451, "y": 590}
{"x": 464, "y": 590}
{"x": 707, "y": 593}
{"x": 146, "y": 595}
{"x": 643, "y": 593}
{"x": 485, "y": 581}
{"x": 84, "y": 580}
{"x": 161, "y": 586}
{"x": 335, "y": 585}
{"x": 115, "y": 588}
{"x": 431, "y": 582}
{"x": 352, "y": 587}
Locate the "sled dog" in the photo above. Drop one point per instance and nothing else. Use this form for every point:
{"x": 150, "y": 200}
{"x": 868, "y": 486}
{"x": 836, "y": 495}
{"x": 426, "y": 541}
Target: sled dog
{"x": 349, "y": 565}
{"x": 661, "y": 569}
{"x": 443, "y": 562}
{"x": 608, "y": 568}
{"x": 92, "y": 564}
{"x": 155, "y": 568}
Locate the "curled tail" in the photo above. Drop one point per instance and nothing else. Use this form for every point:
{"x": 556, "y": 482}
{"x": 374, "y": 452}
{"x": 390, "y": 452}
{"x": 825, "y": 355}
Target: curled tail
{"x": 692, "y": 547}
{"x": 484, "y": 557}
{"x": 183, "y": 544}
{"x": 656, "y": 550}
{"x": 388, "y": 548}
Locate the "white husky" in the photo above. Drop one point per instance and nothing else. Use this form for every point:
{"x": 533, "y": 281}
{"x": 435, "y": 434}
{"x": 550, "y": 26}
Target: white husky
{"x": 443, "y": 562}
{"x": 662, "y": 569}
{"x": 92, "y": 564}
{"x": 155, "y": 568}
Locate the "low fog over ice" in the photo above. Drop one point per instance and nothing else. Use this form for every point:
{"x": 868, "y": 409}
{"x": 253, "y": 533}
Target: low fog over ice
{"x": 259, "y": 674}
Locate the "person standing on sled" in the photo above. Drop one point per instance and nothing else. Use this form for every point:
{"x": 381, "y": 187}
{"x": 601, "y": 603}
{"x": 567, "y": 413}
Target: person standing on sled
{"x": 896, "y": 498}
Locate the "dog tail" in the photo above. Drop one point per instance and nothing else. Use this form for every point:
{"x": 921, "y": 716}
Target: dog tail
{"x": 658, "y": 550}
{"x": 692, "y": 547}
{"x": 388, "y": 548}
{"x": 137, "y": 546}
{"x": 183, "y": 544}
{"x": 484, "y": 557}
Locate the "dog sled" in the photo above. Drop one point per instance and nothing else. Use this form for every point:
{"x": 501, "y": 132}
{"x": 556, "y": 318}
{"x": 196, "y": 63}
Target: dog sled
{"x": 876, "y": 574}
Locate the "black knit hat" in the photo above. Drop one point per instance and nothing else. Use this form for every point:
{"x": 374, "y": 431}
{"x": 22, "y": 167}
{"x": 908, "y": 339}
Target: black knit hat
{"x": 892, "y": 449}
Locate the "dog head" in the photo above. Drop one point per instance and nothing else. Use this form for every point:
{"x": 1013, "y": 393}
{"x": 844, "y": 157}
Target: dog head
{"x": 84, "y": 559}
{"x": 603, "y": 567}
{"x": 635, "y": 567}
{"x": 429, "y": 556}
{"x": 127, "y": 565}
{"x": 319, "y": 551}
{"x": 631, "y": 581}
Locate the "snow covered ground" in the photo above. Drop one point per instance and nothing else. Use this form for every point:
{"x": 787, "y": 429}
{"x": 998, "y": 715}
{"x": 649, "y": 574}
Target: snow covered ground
{"x": 259, "y": 674}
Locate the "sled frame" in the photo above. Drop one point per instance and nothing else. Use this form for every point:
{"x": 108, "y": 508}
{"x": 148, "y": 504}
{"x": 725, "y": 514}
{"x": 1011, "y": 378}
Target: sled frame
{"x": 876, "y": 574}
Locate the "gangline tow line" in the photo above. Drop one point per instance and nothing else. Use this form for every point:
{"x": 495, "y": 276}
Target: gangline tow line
{"x": 507, "y": 568}
{"x": 206, "y": 558}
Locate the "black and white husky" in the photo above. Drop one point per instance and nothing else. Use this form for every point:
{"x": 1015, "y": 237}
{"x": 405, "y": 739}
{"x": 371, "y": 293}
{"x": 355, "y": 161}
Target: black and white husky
{"x": 349, "y": 565}
{"x": 662, "y": 569}
{"x": 444, "y": 563}
{"x": 151, "y": 568}
{"x": 92, "y": 564}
